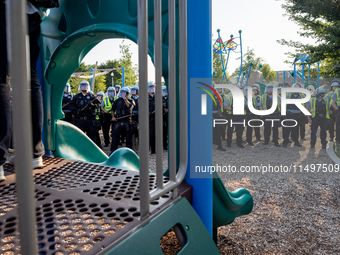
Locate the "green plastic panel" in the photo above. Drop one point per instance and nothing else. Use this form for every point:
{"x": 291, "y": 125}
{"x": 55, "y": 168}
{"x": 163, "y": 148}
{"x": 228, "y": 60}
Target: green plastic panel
{"x": 74, "y": 144}
{"x": 146, "y": 239}
{"x": 123, "y": 158}
{"x": 229, "y": 205}
{"x": 71, "y": 31}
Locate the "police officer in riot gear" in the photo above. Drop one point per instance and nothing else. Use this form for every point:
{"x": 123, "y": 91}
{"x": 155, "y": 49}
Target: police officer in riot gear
{"x": 320, "y": 113}
{"x": 165, "y": 117}
{"x": 135, "y": 97}
{"x": 84, "y": 105}
{"x": 106, "y": 106}
{"x": 256, "y": 101}
{"x": 117, "y": 90}
{"x": 335, "y": 85}
{"x": 67, "y": 97}
{"x": 99, "y": 119}
{"x": 228, "y": 106}
{"x": 152, "y": 133}
{"x": 217, "y": 113}
{"x": 293, "y": 112}
{"x": 267, "y": 102}
{"x": 121, "y": 113}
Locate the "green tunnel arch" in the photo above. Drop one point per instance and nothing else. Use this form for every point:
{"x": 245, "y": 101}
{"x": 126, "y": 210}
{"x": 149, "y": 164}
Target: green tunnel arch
{"x": 72, "y": 30}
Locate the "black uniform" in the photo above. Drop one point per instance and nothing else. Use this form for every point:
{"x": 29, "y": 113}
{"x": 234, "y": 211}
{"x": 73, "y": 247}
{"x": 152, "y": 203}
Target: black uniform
{"x": 66, "y": 108}
{"x": 135, "y": 115}
{"x": 250, "y": 116}
{"x": 152, "y": 128}
{"x": 217, "y": 136}
{"x": 293, "y": 113}
{"x": 238, "y": 127}
{"x": 269, "y": 125}
{"x": 319, "y": 120}
{"x": 107, "y": 122}
{"x": 84, "y": 107}
{"x": 98, "y": 125}
{"x": 120, "y": 109}
{"x": 165, "y": 123}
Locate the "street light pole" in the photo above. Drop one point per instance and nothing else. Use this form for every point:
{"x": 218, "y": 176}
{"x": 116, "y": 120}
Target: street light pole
{"x": 112, "y": 74}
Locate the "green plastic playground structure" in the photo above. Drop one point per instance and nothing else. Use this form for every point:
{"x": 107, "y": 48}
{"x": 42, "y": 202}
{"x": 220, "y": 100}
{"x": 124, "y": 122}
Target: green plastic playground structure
{"x": 66, "y": 39}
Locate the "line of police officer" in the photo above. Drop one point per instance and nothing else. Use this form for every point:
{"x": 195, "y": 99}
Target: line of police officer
{"x": 323, "y": 108}
{"x": 118, "y": 110}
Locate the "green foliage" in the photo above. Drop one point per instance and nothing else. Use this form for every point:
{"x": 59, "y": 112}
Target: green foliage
{"x": 217, "y": 68}
{"x": 130, "y": 71}
{"x": 248, "y": 57}
{"x": 319, "y": 20}
{"x": 267, "y": 73}
{"x": 105, "y": 81}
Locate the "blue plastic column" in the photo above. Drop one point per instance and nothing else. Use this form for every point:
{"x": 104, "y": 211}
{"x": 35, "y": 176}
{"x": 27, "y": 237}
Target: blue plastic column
{"x": 284, "y": 78}
{"x": 92, "y": 74}
{"x": 317, "y": 84}
{"x": 200, "y": 126}
{"x": 303, "y": 74}
{"x": 123, "y": 75}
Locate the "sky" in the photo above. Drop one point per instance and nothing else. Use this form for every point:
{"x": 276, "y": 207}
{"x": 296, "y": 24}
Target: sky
{"x": 262, "y": 24}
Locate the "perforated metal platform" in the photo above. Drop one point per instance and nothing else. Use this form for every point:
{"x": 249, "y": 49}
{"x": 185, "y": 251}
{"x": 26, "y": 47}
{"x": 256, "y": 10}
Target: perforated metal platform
{"x": 80, "y": 207}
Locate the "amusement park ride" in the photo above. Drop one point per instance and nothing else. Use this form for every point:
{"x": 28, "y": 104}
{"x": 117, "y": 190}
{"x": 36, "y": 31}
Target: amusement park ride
{"x": 84, "y": 202}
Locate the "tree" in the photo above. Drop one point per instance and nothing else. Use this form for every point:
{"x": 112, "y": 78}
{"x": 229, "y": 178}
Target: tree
{"x": 267, "y": 73}
{"x": 109, "y": 64}
{"x": 217, "y": 67}
{"x": 74, "y": 82}
{"x": 99, "y": 84}
{"x": 319, "y": 20}
{"x": 126, "y": 61}
{"x": 248, "y": 57}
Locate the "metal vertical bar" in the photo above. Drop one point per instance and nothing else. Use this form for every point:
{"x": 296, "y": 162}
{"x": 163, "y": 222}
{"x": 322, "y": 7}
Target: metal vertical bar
{"x": 284, "y": 78}
{"x": 183, "y": 85}
{"x": 143, "y": 117}
{"x": 172, "y": 93}
{"x": 19, "y": 61}
{"x": 239, "y": 75}
{"x": 159, "y": 96}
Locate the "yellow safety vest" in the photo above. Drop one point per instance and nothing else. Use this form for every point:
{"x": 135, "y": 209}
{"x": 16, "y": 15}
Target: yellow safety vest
{"x": 264, "y": 102}
{"x": 312, "y": 103}
{"x": 107, "y": 104}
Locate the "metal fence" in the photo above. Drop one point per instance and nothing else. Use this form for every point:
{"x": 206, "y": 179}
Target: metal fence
{"x": 175, "y": 178}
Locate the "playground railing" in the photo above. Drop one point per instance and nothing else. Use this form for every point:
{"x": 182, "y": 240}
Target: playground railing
{"x": 18, "y": 59}
{"x": 147, "y": 196}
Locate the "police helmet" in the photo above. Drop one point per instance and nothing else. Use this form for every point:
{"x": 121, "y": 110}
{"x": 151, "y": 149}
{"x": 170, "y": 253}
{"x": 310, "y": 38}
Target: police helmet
{"x": 117, "y": 87}
{"x": 123, "y": 92}
{"x": 335, "y": 83}
{"x": 269, "y": 88}
{"x": 134, "y": 90}
{"x": 84, "y": 85}
{"x": 126, "y": 89}
{"x": 90, "y": 92}
{"x": 152, "y": 87}
{"x": 256, "y": 86}
{"x": 164, "y": 91}
{"x": 100, "y": 93}
{"x": 67, "y": 88}
{"x": 319, "y": 91}
{"x": 297, "y": 85}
